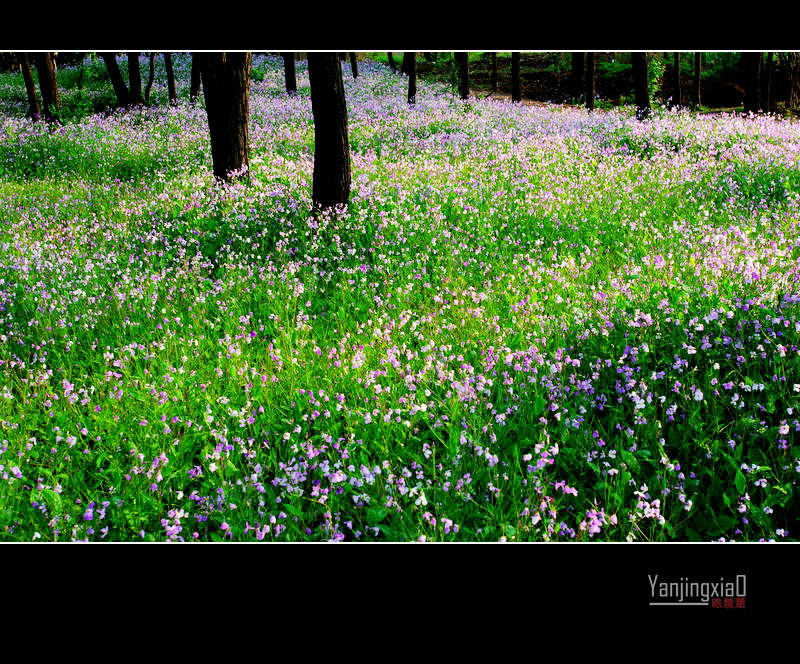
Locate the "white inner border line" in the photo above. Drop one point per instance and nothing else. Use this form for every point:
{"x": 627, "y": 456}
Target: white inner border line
{"x": 678, "y": 603}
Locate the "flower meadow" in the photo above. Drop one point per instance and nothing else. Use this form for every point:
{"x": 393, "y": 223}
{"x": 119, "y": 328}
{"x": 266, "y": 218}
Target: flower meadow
{"x": 532, "y": 323}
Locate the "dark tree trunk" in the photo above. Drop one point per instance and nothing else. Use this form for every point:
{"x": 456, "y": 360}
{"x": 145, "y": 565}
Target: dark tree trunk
{"x": 410, "y": 65}
{"x": 578, "y": 69}
{"x": 640, "y": 89}
{"x": 48, "y": 85}
{"x": 429, "y": 57}
{"x": 751, "y": 77}
{"x": 494, "y": 72}
{"x": 331, "y": 183}
{"x": 767, "y": 101}
{"x": 392, "y": 64}
{"x": 123, "y": 98}
{"x": 404, "y": 63}
{"x": 354, "y": 65}
{"x": 791, "y": 65}
{"x": 677, "y": 99}
{"x": 171, "y": 92}
{"x": 590, "y": 65}
{"x": 226, "y": 88}
{"x": 135, "y": 78}
{"x": 698, "y": 69}
{"x": 194, "y": 85}
{"x": 150, "y": 78}
{"x": 289, "y": 73}
{"x": 462, "y": 62}
{"x": 33, "y": 103}
{"x": 516, "y": 86}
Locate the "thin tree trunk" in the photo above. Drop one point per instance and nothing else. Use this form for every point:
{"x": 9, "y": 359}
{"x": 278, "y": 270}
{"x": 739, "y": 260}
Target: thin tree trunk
{"x": 410, "y": 65}
{"x": 150, "y": 78}
{"x": 289, "y": 73}
{"x": 590, "y": 66}
{"x": 516, "y": 85}
{"x": 429, "y": 57}
{"x": 48, "y": 85}
{"x": 751, "y": 75}
{"x": 331, "y": 181}
{"x": 30, "y": 87}
{"x": 392, "y": 64}
{"x": 698, "y": 68}
{"x": 226, "y": 88}
{"x": 171, "y": 92}
{"x": 354, "y": 65}
{"x": 791, "y": 65}
{"x": 134, "y": 78}
{"x": 677, "y": 99}
{"x": 462, "y": 60}
{"x": 123, "y": 98}
{"x": 194, "y": 86}
{"x": 494, "y": 72}
{"x": 640, "y": 92}
{"x": 767, "y": 104}
{"x": 578, "y": 70}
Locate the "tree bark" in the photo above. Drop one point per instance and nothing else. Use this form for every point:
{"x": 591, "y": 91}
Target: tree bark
{"x": 289, "y": 73}
{"x": 791, "y": 65}
{"x": 331, "y": 182}
{"x": 410, "y": 65}
{"x": 194, "y": 85}
{"x": 516, "y": 85}
{"x": 767, "y": 101}
{"x": 150, "y": 78}
{"x": 226, "y": 88}
{"x": 462, "y": 61}
{"x": 171, "y": 91}
{"x": 392, "y": 64}
{"x": 578, "y": 69}
{"x": 354, "y": 65}
{"x": 494, "y": 71}
{"x": 30, "y": 87}
{"x": 751, "y": 75}
{"x": 698, "y": 68}
{"x": 134, "y": 78}
{"x": 677, "y": 98}
{"x": 123, "y": 98}
{"x": 48, "y": 85}
{"x": 590, "y": 66}
{"x": 640, "y": 88}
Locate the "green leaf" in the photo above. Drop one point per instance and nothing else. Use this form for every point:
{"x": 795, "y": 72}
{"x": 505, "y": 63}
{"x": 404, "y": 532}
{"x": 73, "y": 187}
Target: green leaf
{"x": 741, "y": 482}
{"x": 376, "y": 514}
{"x": 538, "y": 405}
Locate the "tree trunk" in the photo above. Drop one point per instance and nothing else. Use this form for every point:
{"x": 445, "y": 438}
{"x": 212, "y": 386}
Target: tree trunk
{"x": 578, "y": 69}
{"x": 33, "y": 103}
{"x": 677, "y": 99}
{"x": 791, "y": 65}
{"x": 410, "y": 65}
{"x": 150, "y": 78}
{"x": 494, "y": 72}
{"x": 462, "y": 61}
{"x": 331, "y": 183}
{"x": 640, "y": 89}
{"x": 698, "y": 68}
{"x": 354, "y": 65}
{"x": 123, "y": 98}
{"x": 289, "y": 73}
{"x": 226, "y": 88}
{"x": 590, "y": 66}
{"x": 194, "y": 85}
{"x": 767, "y": 101}
{"x": 48, "y": 85}
{"x": 171, "y": 92}
{"x": 135, "y": 78}
{"x": 751, "y": 77}
{"x": 429, "y": 57}
{"x": 516, "y": 86}
{"x": 391, "y": 61}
